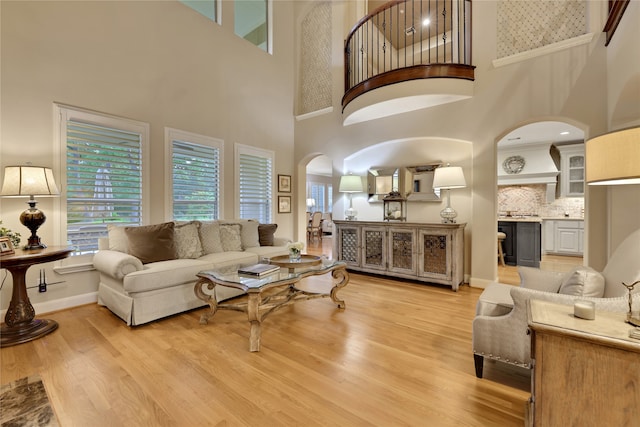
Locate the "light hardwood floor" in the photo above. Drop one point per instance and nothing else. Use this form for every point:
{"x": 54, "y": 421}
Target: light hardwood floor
{"x": 399, "y": 354}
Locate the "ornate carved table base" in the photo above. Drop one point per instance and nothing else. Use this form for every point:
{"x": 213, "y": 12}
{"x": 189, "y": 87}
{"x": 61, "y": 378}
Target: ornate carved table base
{"x": 258, "y": 306}
{"x": 20, "y": 325}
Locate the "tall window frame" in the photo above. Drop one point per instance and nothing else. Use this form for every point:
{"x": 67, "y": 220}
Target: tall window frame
{"x": 205, "y": 149}
{"x": 254, "y": 179}
{"x": 248, "y": 26}
{"x": 69, "y": 121}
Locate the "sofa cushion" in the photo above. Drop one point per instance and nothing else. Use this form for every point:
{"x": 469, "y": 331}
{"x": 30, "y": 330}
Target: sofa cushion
{"x": 265, "y": 234}
{"x": 210, "y": 237}
{"x": 584, "y": 282}
{"x": 164, "y": 274}
{"x": 249, "y": 236}
{"x": 230, "y": 237}
{"x": 495, "y": 300}
{"x": 118, "y": 240}
{"x": 151, "y": 243}
{"x": 228, "y": 259}
{"x": 268, "y": 251}
{"x": 187, "y": 240}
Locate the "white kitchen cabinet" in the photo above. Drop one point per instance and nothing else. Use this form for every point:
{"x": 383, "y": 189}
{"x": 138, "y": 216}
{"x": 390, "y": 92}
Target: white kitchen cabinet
{"x": 571, "y": 170}
{"x": 564, "y": 237}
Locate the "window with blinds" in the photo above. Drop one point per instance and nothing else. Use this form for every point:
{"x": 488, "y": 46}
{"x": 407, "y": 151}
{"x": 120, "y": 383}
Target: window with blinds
{"x": 255, "y": 178}
{"x": 196, "y": 181}
{"x": 104, "y": 182}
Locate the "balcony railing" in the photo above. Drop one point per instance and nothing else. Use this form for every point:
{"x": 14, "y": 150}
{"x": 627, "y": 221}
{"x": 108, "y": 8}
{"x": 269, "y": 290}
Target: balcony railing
{"x": 406, "y": 40}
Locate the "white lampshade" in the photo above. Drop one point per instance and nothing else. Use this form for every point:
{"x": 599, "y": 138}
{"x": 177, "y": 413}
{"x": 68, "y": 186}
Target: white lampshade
{"x": 350, "y": 184}
{"x": 613, "y": 158}
{"x": 28, "y": 181}
{"x": 311, "y": 203}
{"x": 446, "y": 178}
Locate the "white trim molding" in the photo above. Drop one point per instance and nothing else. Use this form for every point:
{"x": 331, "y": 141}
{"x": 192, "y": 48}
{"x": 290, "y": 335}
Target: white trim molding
{"x": 544, "y": 50}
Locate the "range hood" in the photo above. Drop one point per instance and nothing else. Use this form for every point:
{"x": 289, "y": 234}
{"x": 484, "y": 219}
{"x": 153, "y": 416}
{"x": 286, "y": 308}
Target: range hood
{"x": 528, "y": 164}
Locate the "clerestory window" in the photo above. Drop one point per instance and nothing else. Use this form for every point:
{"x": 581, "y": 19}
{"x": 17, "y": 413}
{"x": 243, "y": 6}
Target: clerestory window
{"x": 251, "y": 22}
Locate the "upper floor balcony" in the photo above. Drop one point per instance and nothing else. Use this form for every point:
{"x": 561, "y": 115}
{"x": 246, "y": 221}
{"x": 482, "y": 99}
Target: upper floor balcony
{"x": 407, "y": 55}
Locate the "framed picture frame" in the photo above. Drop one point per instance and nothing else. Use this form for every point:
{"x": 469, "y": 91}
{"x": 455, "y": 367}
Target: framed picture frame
{"x": 284, "y": 183}
{"x": 6, "y": 248}
{"x": 284, "y": 204}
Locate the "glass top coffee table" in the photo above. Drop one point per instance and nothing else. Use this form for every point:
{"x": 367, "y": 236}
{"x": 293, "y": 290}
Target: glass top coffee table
{"x": 260, "y": 302}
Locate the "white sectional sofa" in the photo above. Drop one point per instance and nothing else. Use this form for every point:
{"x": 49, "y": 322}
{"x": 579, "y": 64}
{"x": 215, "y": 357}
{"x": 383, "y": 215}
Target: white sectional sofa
{"x": 149, "y": 272}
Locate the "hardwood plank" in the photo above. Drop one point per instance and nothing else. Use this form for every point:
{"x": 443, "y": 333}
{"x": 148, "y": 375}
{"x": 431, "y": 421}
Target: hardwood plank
{"x": 399, "y": 354}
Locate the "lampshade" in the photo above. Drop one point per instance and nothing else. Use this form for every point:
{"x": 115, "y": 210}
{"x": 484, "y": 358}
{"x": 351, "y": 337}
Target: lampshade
{"x": 311, "y": 202}
{"x": 449, "y": 177}
{"x": 28, "y": 181}
{"x": 613, "y": 158}
{"x": 350, "y": 184}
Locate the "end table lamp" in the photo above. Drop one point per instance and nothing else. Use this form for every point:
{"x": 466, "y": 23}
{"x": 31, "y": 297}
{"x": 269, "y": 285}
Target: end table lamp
{"x": 448, "y": 178}
{"x": 612, "y": 159}
{"x": 30, "y": 181}
{"x": 350, "y": 184}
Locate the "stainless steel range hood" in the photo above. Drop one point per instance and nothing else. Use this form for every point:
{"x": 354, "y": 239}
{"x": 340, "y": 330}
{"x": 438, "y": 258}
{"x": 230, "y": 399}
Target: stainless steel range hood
{"x": 528, "y": 164}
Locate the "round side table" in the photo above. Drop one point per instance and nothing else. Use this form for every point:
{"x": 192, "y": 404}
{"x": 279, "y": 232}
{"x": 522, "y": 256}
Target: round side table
{"x": 20, "y": 324}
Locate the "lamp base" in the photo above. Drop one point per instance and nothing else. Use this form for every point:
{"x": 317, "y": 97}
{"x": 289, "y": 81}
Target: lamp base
{"x": 33, "y": 218}
{"x": 351, "y": 214}
{"x": 448, "y": 215}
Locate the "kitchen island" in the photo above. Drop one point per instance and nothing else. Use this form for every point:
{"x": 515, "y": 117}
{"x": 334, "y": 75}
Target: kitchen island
{"x": 522, "y": 245}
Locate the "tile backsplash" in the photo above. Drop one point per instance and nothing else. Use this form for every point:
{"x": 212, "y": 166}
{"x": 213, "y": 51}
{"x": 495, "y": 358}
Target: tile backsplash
{"x": 531, "y": 200}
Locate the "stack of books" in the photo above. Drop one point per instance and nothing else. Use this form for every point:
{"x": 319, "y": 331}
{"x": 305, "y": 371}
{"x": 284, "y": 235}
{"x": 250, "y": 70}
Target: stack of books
{"x": 258, "y": 270}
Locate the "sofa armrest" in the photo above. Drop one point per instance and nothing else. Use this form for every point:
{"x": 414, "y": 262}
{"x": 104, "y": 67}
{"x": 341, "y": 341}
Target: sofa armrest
{"x": 541, "y": 280}
{"x": 281, "y": 241}
{"x": 116, "y": 264}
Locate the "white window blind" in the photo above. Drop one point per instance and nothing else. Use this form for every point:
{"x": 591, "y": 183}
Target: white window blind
{"x": 104, "y": 182}
{"x": 196, "y": 181}
{"x": 255, "y": 189}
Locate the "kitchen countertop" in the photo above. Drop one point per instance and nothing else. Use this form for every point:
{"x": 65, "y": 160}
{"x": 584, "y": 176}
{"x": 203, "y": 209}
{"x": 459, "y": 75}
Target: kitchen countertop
{"x": 538, "y": 218}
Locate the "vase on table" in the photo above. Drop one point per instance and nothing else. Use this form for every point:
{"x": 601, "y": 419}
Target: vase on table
{"x": 294, "y": 255}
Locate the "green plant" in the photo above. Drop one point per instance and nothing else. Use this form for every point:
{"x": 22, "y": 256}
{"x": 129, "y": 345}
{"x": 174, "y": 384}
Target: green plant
{"x": 15, "y": 237}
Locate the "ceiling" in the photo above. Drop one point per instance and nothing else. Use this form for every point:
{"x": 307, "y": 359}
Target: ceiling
{"x": 398, "y": 22}
{"x": 549, "y": 131}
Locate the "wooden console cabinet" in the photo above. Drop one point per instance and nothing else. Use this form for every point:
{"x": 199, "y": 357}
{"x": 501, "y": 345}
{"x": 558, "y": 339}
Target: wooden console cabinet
{"x": 586, "y": 372}
{"x": 426, "y": 252}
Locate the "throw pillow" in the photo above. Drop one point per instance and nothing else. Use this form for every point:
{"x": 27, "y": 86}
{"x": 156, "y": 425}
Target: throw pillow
{"x": 584, "y": 282}
{"x": 151, "y": 243}
{"x": 118, "y": 238}
{"x": 210, "y": 237}
{"x": 187, "y": 240}
{"x": 265, "y": 234}
{"x": 248, "y": 232}
{"x": 230, "y": 237}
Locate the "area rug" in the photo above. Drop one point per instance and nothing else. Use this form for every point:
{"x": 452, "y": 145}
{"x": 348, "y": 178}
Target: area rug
{"x": 24, "y": 402}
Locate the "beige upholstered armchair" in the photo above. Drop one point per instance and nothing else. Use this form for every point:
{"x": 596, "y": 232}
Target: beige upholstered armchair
{"x": 500, "y": 328}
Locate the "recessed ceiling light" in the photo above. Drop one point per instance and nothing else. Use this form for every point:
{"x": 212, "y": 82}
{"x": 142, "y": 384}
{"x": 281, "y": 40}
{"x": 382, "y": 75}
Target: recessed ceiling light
{"x": 564, "y": 133}
{"x": 426, "y": 22}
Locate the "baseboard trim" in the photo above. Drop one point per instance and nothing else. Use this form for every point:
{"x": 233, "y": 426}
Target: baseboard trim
{"x": 61, "y": 304}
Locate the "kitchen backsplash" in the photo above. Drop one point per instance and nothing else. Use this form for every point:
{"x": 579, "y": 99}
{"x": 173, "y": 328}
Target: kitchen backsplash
{"x": 531, "y": 200}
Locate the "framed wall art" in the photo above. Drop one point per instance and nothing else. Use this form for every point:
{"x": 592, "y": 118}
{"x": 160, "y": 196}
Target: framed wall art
{"x": 284, "y": 204}
{"x": 6, "y": 248}
{"x": 284, "y": 183}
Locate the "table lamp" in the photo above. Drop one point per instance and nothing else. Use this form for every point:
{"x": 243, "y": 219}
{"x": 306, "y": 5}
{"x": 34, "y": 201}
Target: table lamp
{"x": 30, "y": 181}
{"x": 448, "y": 178}
{"x": 612, "y": 159}
{"x": 350, "y": 184}
{"x": 311, "y": 204}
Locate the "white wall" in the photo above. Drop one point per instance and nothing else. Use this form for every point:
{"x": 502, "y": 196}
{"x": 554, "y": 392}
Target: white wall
{"x": 569, "y": 85}
{"x": 159, "y": 62}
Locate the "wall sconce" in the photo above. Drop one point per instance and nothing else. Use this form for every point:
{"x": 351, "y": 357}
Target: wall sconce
{"x": 448, "y": 178}
{"x": 612, "y": 159}
{"x": 30, "y": 181}
{"x": 350, "y": 184}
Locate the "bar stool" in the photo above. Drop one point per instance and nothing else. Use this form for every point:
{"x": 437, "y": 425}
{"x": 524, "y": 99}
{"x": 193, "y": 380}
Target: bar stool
{"x": 501, "y": 237}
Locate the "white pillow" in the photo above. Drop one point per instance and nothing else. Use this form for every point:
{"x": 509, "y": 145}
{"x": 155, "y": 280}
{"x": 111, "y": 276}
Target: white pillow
{"x": 230, "y": 237}
{"x": 541, "y": 280}
{"x": 118, "y": 240}
{"x": 210, "y": 237}
{"x": 584, "y": 282}
{"x": 187, "y": 240}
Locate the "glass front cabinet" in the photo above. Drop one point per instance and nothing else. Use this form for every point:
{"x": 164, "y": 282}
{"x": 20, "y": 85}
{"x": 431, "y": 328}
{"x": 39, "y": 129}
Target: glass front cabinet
{"x": 425, "y": 252}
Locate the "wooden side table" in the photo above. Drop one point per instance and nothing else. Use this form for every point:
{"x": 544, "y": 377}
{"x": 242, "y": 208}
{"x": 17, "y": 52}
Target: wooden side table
{"x": 20, "y": 324}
